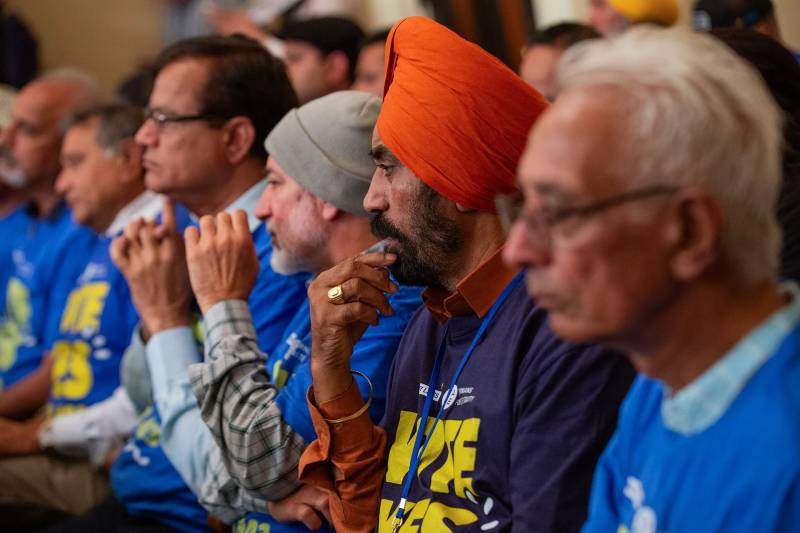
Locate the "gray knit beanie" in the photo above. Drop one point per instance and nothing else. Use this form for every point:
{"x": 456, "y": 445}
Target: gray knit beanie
{"x": 324, "y": 146}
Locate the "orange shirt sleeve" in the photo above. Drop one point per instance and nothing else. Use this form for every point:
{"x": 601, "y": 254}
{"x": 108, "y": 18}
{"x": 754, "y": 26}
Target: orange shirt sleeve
{"x": 348, "y": 461}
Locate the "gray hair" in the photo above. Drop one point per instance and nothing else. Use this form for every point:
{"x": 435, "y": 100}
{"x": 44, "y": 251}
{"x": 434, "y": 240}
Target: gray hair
{"x": 86, "y": 91}
{"x": 116, "y": 124}
{"x": 692, "y": 113}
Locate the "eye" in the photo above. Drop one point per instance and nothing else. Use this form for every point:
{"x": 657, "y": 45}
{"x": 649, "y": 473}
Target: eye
{"x": 386, "y": 169}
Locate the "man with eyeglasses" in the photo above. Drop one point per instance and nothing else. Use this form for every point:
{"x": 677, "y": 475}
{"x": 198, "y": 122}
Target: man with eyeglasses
{"x": 213, "y": 102}
{"x": 513, "y": 418}
{"x": 649, "y": 225}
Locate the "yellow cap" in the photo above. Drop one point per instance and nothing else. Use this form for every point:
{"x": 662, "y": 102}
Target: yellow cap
{"x": 664, "y": 12}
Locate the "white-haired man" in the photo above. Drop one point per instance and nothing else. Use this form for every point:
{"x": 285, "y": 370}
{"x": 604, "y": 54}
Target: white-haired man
{"x": 649, "y": 225}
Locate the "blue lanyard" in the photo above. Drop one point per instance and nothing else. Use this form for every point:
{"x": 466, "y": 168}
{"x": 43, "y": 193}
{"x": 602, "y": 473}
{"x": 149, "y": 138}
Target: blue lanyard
{"x": 419, "y": 446}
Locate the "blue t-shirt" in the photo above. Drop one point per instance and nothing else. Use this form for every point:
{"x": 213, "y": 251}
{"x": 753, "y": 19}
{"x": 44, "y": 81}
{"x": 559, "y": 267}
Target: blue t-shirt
{"x": 93, "y": 333}
{"x": 12, "y": 227}
{"x": 290, "y": 370}
{"x": 740, "y": 474}
{"x": 45, "y": 264}
{"x": 142, "y": 477}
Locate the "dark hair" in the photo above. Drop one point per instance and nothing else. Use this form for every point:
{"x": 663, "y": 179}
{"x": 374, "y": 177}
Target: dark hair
{"x": 328, "y": 34}
{"x": 781, "y": 72}
{"x": 374, "y": 38}
{"x": 117, "y": 122}
{"x": 563, "y": 35}
{"x": 244, "y": 80}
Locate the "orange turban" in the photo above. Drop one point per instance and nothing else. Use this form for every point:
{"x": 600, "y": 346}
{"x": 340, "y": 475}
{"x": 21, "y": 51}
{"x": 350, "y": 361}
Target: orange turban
{"x": 453, "y": 114}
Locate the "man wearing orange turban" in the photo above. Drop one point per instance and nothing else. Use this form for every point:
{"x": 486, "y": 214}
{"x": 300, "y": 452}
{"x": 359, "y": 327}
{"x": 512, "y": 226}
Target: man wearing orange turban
{"x": 513, "y": 418}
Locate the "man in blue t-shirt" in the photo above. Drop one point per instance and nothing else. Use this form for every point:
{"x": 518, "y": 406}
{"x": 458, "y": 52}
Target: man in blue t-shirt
{"x": 649, "y": 224}
{"x": 203, "y": 149}
{"x": 101, "y": 180}
{"x": 48, "y": 250}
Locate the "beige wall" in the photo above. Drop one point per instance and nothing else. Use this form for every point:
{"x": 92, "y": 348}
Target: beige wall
{"x": 552, "y": 11}
{"x": 107, "y": 38}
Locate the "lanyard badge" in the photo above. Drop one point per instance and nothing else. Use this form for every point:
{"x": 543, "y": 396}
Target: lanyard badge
{"x": 419, "y": 445}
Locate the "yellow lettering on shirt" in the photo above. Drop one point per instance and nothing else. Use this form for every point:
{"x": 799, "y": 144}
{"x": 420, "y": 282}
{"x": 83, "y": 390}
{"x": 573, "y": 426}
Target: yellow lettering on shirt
{"x": 71, "y": 374}
{"x": 424, "y": 516}
{"x": 148, "y": 430}
{"x": 457, "y": 438}
{"x": 451, "y": 450}
{"x": 250, "y": 525}
{"x": 279, "y": 375}
{"x": 16, "y": 323}
{"x": 53, "y": 411}
{"x": 84, "y": 308}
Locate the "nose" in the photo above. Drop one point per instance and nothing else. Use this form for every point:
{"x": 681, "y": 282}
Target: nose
{"x": 264, "y": 206}
{"x": 147, "y": 135}
{"x": 375, "y": 200}
{"x": 62, "y": 182}
{"x": 521, "y": 251}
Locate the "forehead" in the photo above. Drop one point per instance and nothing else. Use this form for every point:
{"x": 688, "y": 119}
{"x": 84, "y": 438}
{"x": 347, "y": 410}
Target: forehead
{"x": 372, "y": 54}
{"x": 570, "y": 149}
{"x": 180, "y": 85}
{"x": 296, "y": 49}
{"x": 81, "y": 136}
{"x": 40, "y": 102}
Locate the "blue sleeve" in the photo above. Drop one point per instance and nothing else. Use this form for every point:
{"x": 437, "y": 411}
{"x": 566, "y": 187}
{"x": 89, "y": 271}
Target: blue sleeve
{"x": 372, "y": 356}
{"x": 606, "y": 487}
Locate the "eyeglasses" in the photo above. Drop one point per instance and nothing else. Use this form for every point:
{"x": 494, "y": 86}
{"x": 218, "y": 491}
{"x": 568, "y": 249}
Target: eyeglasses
{"x": 161, "y": 118}
{"x": 541, "y": 226}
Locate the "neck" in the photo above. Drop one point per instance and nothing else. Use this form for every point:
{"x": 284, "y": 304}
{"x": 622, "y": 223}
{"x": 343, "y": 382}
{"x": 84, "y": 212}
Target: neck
{"x": 227, "y": 190}
{"x": 483, "y": 236}
{"x": 349, "y": 236}
{"x": 673, "y": 349}
{"x": 43, "y": 197}
{"x": 115, "y": 206}
{"x": 10, "y": 200}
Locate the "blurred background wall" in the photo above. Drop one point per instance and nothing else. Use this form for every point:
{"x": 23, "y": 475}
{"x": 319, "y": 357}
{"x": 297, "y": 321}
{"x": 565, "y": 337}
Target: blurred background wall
{"x": 111, "y": 37}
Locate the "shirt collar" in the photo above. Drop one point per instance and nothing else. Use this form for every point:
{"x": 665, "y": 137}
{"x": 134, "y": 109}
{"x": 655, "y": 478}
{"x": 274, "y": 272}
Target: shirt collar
{"x": 147, "y": 205}
{"x": 247, "y": 203}
{"x": 697, "y": 406}
{"x": 475, "y": 294}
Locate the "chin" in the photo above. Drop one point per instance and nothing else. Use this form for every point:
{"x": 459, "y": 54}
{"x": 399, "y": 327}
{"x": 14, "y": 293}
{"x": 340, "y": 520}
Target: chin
{"x": 571, "y": 330}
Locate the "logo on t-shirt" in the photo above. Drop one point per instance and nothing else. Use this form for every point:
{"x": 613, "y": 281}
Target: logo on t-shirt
{"x": 644, "y": 518}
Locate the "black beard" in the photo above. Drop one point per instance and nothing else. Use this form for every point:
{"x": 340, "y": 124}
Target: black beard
{"x": 426, "y": 256}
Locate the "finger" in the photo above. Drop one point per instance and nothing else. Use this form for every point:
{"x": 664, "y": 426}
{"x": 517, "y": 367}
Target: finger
{"x": 377, "y": 259}
{"x": 191, "y": 236}
{"x": 119, "y": 252}
{"x": 321, "y": 503}
{"x": 224, "y": 225}
{"x": 358, "y": 290}
{"x": 132, "y": 231}
{"x": 241, "y": 226}
{"x": 208, "y": 229}
{"x": 147, "y": 238}
{"x": 353, "y": 313}
{"x": 309, "y": 517}
{"x": 167, "y": 218}
{"x": 353, "y": 268}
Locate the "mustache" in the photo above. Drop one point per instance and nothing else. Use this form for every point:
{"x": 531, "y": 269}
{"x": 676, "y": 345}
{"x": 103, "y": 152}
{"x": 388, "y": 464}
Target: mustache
{"x": 383, "y": 229}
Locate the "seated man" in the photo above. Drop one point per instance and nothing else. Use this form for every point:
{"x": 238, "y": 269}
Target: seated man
{"x": 666, "y": 246}
{"x": 545, "y": 48}
{"x": 611, "y": 17}
{"x": 213, "y": 99}
{"x": 50, "y": 252}
{"x": 101, "y": 179}
{"x": 515, "y": 417}
{"x": 255, "y": 403}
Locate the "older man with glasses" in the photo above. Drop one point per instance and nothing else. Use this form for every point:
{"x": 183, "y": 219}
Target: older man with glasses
{"x": 649, "y": 226}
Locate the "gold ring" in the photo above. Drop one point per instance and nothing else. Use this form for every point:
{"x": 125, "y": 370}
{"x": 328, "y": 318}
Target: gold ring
{"x": 336, "y": 295}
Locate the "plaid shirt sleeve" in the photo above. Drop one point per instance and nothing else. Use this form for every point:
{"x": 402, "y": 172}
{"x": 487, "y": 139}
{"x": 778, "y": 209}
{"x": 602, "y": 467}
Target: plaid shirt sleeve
{"x": 236, "y": 396}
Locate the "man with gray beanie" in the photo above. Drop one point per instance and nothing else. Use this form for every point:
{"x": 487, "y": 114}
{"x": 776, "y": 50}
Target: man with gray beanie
{"x": 318, "y": 173}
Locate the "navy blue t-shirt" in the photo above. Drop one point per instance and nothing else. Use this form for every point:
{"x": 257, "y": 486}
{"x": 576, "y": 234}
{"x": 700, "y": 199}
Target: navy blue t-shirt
{"x": 516, "y": 447}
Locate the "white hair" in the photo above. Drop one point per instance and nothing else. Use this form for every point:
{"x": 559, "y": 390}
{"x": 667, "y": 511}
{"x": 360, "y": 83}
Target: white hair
{"x": 692, "y": 113}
